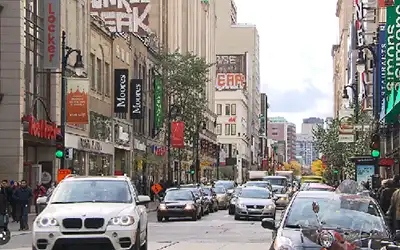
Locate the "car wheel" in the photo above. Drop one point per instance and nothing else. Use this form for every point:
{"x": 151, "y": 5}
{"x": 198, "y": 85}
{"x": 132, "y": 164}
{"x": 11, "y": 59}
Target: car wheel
{"x": 166, "y": 218}
{"x": 137, "y": 239}
{"x": 202, "y": 212}
{"x": 231, "y": 210}
{"x": 194, "y": 217}
{"x": 145, "y": 245}
{"x": 199, "y": 215}
{"x": 159, "y": 218}
{"x": 237, "y": 217}
{"x": 216, "y": 208}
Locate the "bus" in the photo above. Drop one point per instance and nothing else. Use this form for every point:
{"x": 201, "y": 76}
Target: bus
{"x": 312, "y": 179}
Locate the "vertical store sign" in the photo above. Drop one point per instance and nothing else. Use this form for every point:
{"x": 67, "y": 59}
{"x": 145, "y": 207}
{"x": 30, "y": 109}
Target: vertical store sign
{"x": 77, "y": 101}
{"x": 359, "y": 16}
{"x": 158, "y": 100}
{"x": 391, "y": 50}
{"x": 178, "y": 134}
{"x": 121, "y": 77}
{"x": 381, "y": 68}
{"x": 52, "y": 34}
{"x": 136, "y": 99}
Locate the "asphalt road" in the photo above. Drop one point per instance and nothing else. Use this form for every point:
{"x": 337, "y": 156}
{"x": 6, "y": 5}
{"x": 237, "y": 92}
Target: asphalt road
{"x": 215, "y": 231}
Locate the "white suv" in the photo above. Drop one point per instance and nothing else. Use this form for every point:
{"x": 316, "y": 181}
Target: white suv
{"x": 92, "y": 213}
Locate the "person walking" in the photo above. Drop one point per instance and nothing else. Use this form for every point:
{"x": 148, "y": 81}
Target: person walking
{"x": 3, "y": 209}
{"x": 23, "y": 197}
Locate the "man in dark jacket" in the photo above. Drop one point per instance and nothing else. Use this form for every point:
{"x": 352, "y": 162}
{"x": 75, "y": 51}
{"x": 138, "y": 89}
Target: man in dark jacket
{"x": 23, "y": 196}
{"x": 386, "y": 195}
{"x": 3, "y": 210}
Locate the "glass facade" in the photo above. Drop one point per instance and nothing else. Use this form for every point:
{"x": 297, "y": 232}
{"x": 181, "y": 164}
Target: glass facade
{"x": 77, "y": 165}
{"x": 99, "y": 164}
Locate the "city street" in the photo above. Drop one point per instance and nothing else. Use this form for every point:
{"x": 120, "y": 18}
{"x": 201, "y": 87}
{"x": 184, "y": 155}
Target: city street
{"x": 215, "y": 231}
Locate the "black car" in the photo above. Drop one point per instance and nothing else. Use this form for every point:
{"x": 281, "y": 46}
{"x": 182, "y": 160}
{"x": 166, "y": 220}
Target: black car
{"x": 179, "y": 203}
{"x": 316, "y": 219}
{"x": 199, "y": 193}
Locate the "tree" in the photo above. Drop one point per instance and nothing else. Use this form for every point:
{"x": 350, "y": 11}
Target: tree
{"x": 316, "y": 167}
{"x": 185, "y": 81}
{"x": 337, "y": 154}
{"x": 292, "y": 166}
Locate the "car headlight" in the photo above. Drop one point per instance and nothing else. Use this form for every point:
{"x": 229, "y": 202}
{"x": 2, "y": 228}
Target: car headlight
{"x": 269, "y": 207}
{"x": 47, "y": 222}
{"x": 162, "y": 207}
{"x": 189, "y": 207}
{"x": 126, "y": 220}
{"x": 283, "y": 243}
{"x": 240, "y": 205}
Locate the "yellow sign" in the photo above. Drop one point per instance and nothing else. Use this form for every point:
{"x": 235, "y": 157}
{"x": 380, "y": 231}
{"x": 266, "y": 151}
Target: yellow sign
{"x": 140, "y": 164}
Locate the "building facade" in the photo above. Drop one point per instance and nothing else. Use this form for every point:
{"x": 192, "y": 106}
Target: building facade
{"x": 284, "y": 134}
{"x": 238, "y": 71}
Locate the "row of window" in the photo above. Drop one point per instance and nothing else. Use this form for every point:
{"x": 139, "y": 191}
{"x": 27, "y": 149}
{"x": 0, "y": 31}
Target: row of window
{"x": 230, "y": 129}
{"x": 230, "y": 109}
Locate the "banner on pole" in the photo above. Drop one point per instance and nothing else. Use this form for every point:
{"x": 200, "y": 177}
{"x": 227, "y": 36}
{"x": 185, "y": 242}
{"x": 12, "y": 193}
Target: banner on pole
{"x": 178, "y": 134}
{"x": 77, "y": 101}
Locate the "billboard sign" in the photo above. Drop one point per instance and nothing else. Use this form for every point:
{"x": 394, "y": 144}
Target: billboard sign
{"x": 124, "y": 15}
{"x": 231, "y": 72}
{"x": 136, "y": 99}
{"x": 381, "y": 68}
{"x": 121, "y": 90}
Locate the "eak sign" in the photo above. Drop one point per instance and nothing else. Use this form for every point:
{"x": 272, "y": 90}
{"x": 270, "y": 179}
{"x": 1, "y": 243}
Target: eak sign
{"x": 41, "y": 128}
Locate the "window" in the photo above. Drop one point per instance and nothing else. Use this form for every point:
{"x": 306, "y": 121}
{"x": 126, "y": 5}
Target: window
{"x": 227, "y": 129}
{"x": 233, "y": 109}
{"x": 233, "y": 129}
{"x": 98, "y": 75}
{"x": 274, "y": 133}
{"x": 107, "y": 82}
{"x": 219, "y": 109}
{"x": 227, "y": 109}
{"x": 218, "y": 129}
{"x": 92, "y": 68}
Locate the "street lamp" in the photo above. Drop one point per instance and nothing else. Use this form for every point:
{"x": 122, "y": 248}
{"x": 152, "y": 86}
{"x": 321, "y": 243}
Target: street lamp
{"x": 173, "y": 112}
{"x": 79, "y": 67}
{"x": 201, "y": 124}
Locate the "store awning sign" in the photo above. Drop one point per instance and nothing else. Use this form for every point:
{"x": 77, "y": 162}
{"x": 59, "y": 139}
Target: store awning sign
{"x": 41, "y": 128}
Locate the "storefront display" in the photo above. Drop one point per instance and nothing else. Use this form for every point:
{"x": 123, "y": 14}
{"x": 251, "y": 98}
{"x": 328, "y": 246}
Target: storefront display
{"x": 99, "y": 164}
{"x": 77, "y": 165}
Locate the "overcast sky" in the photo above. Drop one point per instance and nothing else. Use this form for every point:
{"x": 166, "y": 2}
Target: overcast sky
{"x": 296, "y": 38}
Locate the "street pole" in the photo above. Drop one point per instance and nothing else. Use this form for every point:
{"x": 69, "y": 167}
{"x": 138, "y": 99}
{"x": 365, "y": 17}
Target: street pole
{"x": 218, "y": 152}
{"x": 63, "y": 91}
{"x": 169, "y": 174}
{"x": 197, "y": 166}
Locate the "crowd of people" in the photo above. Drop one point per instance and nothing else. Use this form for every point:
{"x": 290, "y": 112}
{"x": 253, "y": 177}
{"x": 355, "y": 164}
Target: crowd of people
{"x": 15, "y": 201}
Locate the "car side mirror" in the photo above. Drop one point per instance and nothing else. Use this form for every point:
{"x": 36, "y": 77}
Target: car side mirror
{"x": 41, "y": 200}
{"x": 268, "y": 223}
{"x": 143, "y": 199}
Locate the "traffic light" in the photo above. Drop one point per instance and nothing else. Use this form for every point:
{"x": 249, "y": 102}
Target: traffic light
{"x": 59, "y": 146}
{"x": 192, "y": 171}
{"x": 335, "y": 171}
{"x": 375, "y": 145}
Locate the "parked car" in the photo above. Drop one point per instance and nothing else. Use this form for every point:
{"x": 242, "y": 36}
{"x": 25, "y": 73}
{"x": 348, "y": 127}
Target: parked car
{"x": 228, "y": 185}
{"x": 254, "y": 202}
{"x": 86, "y": 209}
{"x": 211, "y": 196}
{"x": 315, "y": 215}
{"x": 232, "y": 202}
{"x": 179, "y": 203}
{"x": 264, "y": 184}
{"x": 222, "y": 197}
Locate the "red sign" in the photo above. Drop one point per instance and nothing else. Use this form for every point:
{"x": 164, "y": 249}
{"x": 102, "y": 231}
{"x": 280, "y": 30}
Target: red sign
{"x": 41, "y": 128}
{"x": 385, "y": 3}
{"x": 232, "y": 119}
{"x": 178, "y": 134}
{"x": 386, "y": 162}
{"x": 230, "y": 81}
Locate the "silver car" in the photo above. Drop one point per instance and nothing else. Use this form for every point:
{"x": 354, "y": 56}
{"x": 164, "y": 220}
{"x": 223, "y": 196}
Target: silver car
{"x": 99, "y": 211}
{"x": 281, "y": 196}
{"x": 255, "y": 202}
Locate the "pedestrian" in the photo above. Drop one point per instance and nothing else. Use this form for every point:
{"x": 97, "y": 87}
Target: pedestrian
{"x": 386, "y": 195}
{"x": 39, "y": 191}
{"x": 3, "y": 208}
{"x": 23, "y": 197}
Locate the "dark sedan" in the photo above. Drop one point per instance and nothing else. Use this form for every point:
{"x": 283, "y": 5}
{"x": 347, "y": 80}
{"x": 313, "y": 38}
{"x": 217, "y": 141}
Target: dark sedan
{"x": 179, "y": 203}
{"x": 316, "y": 219}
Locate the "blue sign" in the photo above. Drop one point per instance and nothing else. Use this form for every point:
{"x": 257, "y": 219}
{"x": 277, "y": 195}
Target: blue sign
{"x": 381, "y": 69}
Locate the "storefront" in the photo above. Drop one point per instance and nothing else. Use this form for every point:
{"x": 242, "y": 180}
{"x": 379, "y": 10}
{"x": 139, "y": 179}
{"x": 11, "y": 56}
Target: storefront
{"x": 122, "y": 146}
{"x": 91, "y": 157}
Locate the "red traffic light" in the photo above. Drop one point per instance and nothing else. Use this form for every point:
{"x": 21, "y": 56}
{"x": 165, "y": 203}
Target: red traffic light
{"x": 375, "y": 142}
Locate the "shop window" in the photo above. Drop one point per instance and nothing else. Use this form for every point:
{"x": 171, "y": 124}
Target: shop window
{"x": 218, "y": 129}
{"x": 100, "y": 127}
{"x": 120, "y": 161}
{"x": 233, "y": 109}
{"x": 77, "y": 164}
{"x": 99, "y": 164}
{"x": 233, "y": 129}
{"x": 227, "y": 109}
{"x": 219, "y": 109}
{"x": 99, "y": 75}
{"x": 92, "y": 71}
{"x": 107, "y": 79}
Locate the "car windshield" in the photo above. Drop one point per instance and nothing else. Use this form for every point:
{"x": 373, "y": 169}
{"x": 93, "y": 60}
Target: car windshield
{"x": 255, "y": 193}
{"x": 345, "y": 213}
{"x": 226, "y": 184}
{"x": 82, "y": 191}
{"x": 276, "y": 181}
{"x": 194, "y": 190}
{"x": 179, "y": 195}
{"x": 219, "y": 190}
{"x": 257, "y": 184}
